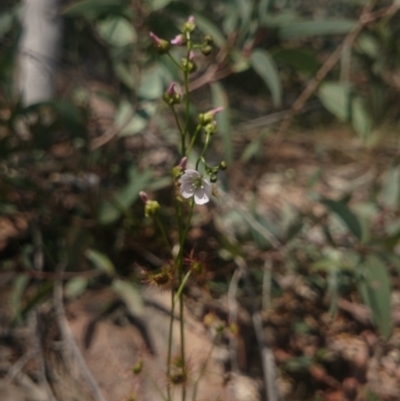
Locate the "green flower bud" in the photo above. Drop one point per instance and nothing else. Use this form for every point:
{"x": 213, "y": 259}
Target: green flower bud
{"x": 151, "y": 208}
{"x": 176, "y": 172}
{"x": 223, "y": 165}
{"x": 189, "y": 65}
{"x": 213, "y": 179}
{"x": 137, "y": 368}
{"x": 207, "y": 118}
{"x": 189, "y": 26}
{"x": 206, "y": 50}
{"x": 211, "y": 128}
{"x": 208, "y": 40}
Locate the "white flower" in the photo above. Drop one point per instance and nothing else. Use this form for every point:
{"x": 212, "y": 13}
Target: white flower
{"x": 193, "y": 184}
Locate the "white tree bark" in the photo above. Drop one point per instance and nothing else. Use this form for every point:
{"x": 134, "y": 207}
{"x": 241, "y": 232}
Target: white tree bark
{"x": 39, "y": 49}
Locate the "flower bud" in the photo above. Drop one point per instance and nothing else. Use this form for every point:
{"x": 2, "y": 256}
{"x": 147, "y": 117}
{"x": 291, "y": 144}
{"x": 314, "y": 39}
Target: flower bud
{"x": 189, "y": 26}
{"x": 178, "y": 170}
{"x": 207, "y": 118}
{"x": 179, "y": 40}
{"x": 183, "y": 162}
{"x": 211, "y": 128}
{"x": 189, "y": 65}
{"x": 143, "y": 196}
{"x": 162, "y": 46}
{"x": 206, "y": 50}
{"x": 151, "y": 208}
{"x": 223, "y": 165}
{"x": 171, "y": 97}
{"x": 208, "y": 40}
{"x": 137, "y": 368}
{"x": 213, "y": 179}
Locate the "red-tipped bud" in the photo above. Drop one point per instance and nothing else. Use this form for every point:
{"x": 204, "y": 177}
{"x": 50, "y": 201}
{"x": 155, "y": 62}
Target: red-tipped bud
{"x": 183, "y": 162}
{"x": 207, "y": 118}
{"x": 161, "y": 45}
{"x": 171, "y": 97}
{"x": 143, "y": 196}
{"x": 179, "y": 40}
{"x": 189, "y": 26}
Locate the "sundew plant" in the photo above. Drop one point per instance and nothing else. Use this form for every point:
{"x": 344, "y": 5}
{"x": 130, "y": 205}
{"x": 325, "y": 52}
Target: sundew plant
{"x": 193, "y": 186}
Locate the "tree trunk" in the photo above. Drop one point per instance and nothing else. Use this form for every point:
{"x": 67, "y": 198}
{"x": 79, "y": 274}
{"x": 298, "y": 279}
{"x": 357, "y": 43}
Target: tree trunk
{"x": 39, "y": 48}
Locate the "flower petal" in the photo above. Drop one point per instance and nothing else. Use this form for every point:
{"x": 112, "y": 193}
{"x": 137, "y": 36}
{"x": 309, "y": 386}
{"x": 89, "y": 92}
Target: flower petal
{"x": 201, "y": 196}
{"x": 187, "y": 190}
{"x": 189, "y": 176}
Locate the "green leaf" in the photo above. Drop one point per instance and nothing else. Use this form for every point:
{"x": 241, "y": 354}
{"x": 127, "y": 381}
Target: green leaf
{"x": 156, "y": 5}
{"x": 111, "y": 211}
{"x": 245, "y": 8}
{"x": 117, "y": 31}
{"x": 360, "y": 117}
{"x": 301, "y": 60}
{"x": 253, "y": 149}
{"x": 369, "y": 45}
{"x": 231, "y": 18}
{"x": 152, "y": 84}
{"x": 208, "y": 28}
{"x": 301, "y": 29}
{"x": 100, "y": 261}
{"x": 6, "y": 23}
{"x": 346, "y": 215}
{"x": 375, "y": 290}
{"x": 265, "y": 67}
{"x": 76, "y": 287}
{"x": 95, "y": 8}
{"x": 125, "y": 74}
{"x": 130, "y": 121}
{"x": 220, "y": 98}
{"x": 277, "y": 19}
{"x": 390, "y": 192}
{"x": 19, "y": 287}
{"x": 130, "y": 295}
{"x": 240, "y": 63}
{"x": 263, "y": 8}
{"x": 336, "y": 98}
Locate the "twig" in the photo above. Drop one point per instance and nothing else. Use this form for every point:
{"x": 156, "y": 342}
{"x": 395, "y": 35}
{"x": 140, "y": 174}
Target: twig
{"x": 33, "y": 320}
{"x": 19, "y": 364}
{"x": 38, "y": 261}
{"x": 213, "y": 72}
{"x": 71, "y": 344}
{"x": 266, "y": 291}
{"x": 232, "y": 307}
{"x": 267, "y": 357}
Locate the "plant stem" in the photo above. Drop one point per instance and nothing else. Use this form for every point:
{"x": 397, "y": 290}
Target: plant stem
{"x": 170, "y": 333}
{"x": 174, "y": 61}
{"x": 196, "y": 132}
{"x": 201, "y": 157}
{"x": 181, "y": 280}
{"x": 163, "y": 232}
{"x": 182, "y": 286}
{"x": 178, "y": 124}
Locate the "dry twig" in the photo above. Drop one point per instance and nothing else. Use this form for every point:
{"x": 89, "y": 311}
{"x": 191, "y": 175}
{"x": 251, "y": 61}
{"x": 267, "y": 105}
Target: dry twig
{"x": 71, "y": 343}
